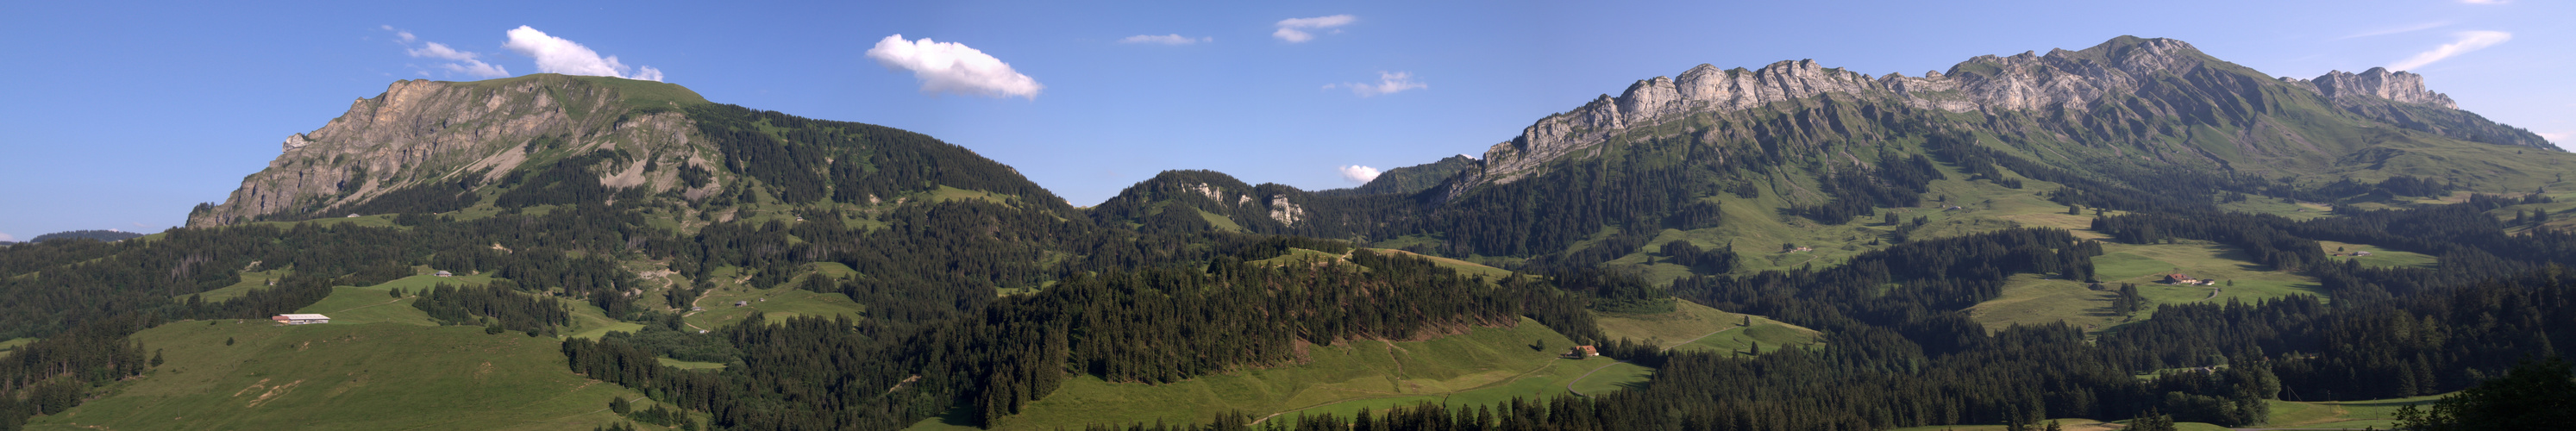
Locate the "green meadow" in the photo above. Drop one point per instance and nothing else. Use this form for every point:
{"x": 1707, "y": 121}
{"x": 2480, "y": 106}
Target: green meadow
{"x": 1482, "y": 366}
{"x": 253, "y": 374}
{"x": 2032, "y": 299}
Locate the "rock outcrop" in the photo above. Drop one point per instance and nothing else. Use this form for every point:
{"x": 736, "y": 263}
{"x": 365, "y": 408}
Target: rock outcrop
{"x": 422, "y": 132}
{"x": 2403, "y": 87}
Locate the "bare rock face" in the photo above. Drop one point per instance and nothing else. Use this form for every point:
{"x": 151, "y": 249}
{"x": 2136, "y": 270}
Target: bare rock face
{"x": 1286, "y": 212}
{"x": 421, "y": 132}
{"x": 2406, "y": 87}
{"x": 1702, "y": 88}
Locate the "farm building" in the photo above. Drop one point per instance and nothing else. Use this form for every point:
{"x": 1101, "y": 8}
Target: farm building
{"x": 1581, "y": 352}
{"x": 300, "y": 319}
{"x": 446, "y": 274}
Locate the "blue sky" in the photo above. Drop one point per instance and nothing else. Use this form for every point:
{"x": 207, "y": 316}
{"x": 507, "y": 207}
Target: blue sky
{"x": 122, "y": 116}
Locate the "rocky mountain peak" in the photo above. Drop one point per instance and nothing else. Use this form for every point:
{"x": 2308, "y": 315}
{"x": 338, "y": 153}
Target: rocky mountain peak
{"x": 422, "y": 131}
{"x": 2381, "y": 83}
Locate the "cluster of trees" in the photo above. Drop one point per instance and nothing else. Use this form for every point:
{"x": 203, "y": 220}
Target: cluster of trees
{"x": 97, "y": 235}
{"x": 2417, "y": 345}
{"x": 507, "y": 309}
{"x": 805, "y": 160}
{"x": 1898, "y": 182}
{"x": 1701, "y": 261}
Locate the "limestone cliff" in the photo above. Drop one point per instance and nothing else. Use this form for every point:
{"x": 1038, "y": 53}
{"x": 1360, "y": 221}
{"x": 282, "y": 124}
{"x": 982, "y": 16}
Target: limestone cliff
{"x": 2403, "y": 87}
{"x": 421, "y": 132}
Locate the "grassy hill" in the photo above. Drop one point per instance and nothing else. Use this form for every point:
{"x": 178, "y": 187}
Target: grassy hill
{"x": 253, "y": 374}
{"x": 2030, "y": 299}
{"x": 1479, "y": 367}
{"x": 777, "y": 303}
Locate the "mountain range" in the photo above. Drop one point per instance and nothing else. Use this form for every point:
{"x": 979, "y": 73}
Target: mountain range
{"x": 1979, "y": 245}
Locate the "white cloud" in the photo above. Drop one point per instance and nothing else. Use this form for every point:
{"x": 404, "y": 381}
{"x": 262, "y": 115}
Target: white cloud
{"x": 480, "y": 69}
{"x": 1294, "y": 30}
{"x": 1387, "y": 83}
{"x": 2553, "y": 137}
{"x": 1359, "y": 174}
{"x": 440, "y": 51}
{"x": 2468, "y": 41}
{"x": 559, "y": 55}
{"x": 464, "y": 62}
{"x": 2396, "y": 30}
{"x": 4, "y": 236}
{"x": 398, "y": 34}
{"x": 1168, "y": 39}
{"x": 2486, "y": 1}
{"x": 954, "y": 67}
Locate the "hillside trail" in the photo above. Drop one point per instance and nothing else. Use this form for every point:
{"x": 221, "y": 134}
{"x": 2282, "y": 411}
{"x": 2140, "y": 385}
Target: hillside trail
{"x": 693, "y": 309}
{"x": 1569, "y": 384}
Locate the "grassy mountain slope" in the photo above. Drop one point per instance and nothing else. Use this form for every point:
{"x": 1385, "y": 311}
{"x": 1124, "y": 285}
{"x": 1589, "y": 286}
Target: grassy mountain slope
{"x": 1483, "y": 365}
{"x": 346, "y": 376}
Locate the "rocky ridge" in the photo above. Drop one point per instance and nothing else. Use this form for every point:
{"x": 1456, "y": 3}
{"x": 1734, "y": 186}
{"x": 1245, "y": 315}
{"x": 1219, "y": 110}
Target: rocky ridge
{"x": 2072, "y": 81}
{"x": 422, "y": 132}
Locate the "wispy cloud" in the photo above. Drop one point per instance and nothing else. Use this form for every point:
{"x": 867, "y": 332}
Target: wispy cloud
{"x": 1168, "y": 39}
{"x": 2468, "y": 41}
{"x": 1387, "y": 83}
{"x": 954, "y": 67}
{"x": 1294, "y": 30}
{"x": 441, "y": 51}
{"x": 2553, "y": 137}
{"x": 560, "y": 55}
{"x": 402, "y": 36}
{"x": 2486, "y": 1}
{"x": 460, "y": 61}
{"x": 467, "y": 63}
{"x": 4, "y": 237}
{"x": 1359, "y": 174}
{"x": 2396, "y": 30}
